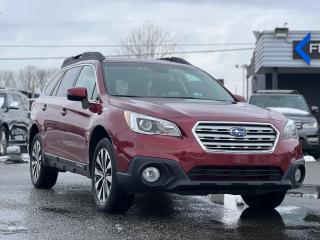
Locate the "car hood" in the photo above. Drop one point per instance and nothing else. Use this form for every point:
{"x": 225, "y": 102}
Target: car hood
{"x": 292, "y": 112}
{"x": 215, "y": 110}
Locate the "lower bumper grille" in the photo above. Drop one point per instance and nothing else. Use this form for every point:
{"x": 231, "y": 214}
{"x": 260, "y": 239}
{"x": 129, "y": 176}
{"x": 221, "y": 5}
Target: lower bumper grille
{"x": 237, "y": 173}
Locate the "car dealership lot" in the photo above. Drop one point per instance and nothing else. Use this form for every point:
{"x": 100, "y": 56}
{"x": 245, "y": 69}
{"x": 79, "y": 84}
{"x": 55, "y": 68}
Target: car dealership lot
{"x": 68, "y": 212}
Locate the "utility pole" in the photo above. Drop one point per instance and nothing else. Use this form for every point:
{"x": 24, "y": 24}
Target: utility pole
{"x": 244, "y": 68}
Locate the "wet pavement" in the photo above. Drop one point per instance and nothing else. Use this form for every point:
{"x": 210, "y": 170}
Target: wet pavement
{"x": 68, "y": 212}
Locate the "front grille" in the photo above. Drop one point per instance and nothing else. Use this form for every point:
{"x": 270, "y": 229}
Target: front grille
{"x": 235, "y": 173}
{"x": 214, "y": 136}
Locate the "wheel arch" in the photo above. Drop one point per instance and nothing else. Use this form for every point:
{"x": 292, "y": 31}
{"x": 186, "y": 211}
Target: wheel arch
{"x": 97, "y": 134}
{"x": 4, "y": 124}
{"x": 32, "y": 132}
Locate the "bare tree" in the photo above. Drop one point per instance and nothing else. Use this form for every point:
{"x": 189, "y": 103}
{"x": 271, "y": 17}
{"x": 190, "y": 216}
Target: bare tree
{"x": 30, "y": 78}
{"x": 7, "y": 79}
{"x": 149, "y": 41}
{"x": 33, "y": 79}
{"x": 27, "y": 79}
{"x": 42, "y": 76}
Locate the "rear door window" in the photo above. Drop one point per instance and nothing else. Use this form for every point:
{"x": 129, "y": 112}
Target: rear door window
{"x": 67, "y": 81}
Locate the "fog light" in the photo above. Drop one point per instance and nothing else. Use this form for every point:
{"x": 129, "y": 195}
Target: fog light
{"x": 298, "y": 175}
{"x": 151, "y": 174}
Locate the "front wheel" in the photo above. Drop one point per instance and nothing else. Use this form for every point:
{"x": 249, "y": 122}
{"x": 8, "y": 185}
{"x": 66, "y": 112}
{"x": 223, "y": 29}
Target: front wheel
{"x": 265, "y": 200}
{"x": 108, "y": 196}
{"x": 41, "y": 176}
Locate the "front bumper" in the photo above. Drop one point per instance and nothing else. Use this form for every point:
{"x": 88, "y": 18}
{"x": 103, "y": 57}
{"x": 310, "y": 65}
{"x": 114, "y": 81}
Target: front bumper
{"x": 174, "y": 179}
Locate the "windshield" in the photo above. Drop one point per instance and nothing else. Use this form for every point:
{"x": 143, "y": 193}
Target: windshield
{"x": 162, "y": 81}
{"x": 281, "y": 101}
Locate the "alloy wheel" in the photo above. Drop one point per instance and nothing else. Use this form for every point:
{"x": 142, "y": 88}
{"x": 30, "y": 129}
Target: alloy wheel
{"x": 103, "y": 175}
{"x": 36, "y": 158}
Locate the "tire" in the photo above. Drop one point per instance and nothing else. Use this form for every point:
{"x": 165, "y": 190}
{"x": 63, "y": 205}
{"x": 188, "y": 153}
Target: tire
{"x": 265, "y": 200}
{"x": 41, "y": 176}
{"x": 108, "y": 196}
{"x": 3, "y": 140}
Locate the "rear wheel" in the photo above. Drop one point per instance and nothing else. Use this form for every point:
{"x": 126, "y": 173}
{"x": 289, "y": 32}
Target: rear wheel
{"x": 3, "y": 140}
{"x": 265, "y": 200}
{"x": 108, "y": 196}
{"x": 41, "y": 175}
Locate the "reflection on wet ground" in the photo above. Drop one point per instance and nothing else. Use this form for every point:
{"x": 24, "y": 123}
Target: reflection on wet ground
{"x": 14, "y": 156}
{"x": 68, "y": 212}
{"x": 307, "y": 191}
{"x": 281, "y": 216}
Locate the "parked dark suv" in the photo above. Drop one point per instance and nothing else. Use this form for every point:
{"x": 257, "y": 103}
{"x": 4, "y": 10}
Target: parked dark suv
{"x": 14, "y": 120}
{"x": 294, "y": 106}
{"x": 136, "y": 126}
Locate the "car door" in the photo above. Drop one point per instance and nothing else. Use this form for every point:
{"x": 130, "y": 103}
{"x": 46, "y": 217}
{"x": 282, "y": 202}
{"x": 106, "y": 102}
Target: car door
{"x": 46, "y": 116}
{"x": 76, "y": 120}
{"x": 52, "y": 107}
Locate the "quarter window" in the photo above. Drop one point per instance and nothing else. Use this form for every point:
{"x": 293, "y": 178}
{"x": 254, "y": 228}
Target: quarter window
{"x": 50, "y": 86}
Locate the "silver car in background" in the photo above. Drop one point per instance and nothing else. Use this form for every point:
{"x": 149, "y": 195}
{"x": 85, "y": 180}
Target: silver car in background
{"x": 294, "y": 106}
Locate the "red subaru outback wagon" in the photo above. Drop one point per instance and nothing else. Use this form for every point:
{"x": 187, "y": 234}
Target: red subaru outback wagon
{"x": 136, "y": 126}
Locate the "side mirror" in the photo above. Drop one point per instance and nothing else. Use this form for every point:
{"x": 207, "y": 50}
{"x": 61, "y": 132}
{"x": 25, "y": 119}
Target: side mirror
{"x": 78, "y": 94}
{"x": 14, "y": 105}
{"x": 239, "y": 98}
{"x": 314, "y": 109}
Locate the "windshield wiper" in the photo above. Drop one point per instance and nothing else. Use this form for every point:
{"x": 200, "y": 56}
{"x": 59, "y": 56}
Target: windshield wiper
{"x": 207, "y": 99}
{"x": 126, "y": 96}
{"x": 217, "y": 100}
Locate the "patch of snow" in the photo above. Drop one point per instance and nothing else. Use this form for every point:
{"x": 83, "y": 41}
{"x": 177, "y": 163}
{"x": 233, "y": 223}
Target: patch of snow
{"x": 309, "y": 158}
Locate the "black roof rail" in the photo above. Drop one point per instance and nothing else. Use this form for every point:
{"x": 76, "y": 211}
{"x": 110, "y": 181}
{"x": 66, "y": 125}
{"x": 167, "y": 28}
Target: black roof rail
{"x": 81, "y": 57}
{"x": 175, "y": 59}
{"x": 277, "y": 91}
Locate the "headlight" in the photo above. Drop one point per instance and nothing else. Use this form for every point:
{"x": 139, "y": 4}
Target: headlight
{"x": 149, "y": 125}
{"x": 290, "y": 130}
{"x": 310, "y": 125}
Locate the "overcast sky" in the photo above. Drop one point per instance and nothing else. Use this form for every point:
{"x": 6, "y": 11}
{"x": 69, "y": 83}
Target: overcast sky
{"x": 106, "y": 22}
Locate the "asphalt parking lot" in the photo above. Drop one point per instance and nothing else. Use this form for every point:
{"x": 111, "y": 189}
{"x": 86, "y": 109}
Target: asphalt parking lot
{"x": 68, "y": 212}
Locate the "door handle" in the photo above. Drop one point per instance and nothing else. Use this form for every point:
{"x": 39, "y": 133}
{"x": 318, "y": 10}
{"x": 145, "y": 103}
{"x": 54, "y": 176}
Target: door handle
{"x": 44, "y": 107}
{"x": 63, "y": 112}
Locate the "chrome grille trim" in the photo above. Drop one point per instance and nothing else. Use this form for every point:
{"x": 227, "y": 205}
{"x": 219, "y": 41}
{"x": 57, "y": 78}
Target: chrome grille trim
{"x": 215, "y": 137}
